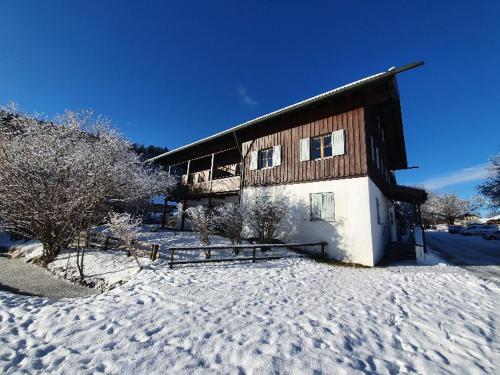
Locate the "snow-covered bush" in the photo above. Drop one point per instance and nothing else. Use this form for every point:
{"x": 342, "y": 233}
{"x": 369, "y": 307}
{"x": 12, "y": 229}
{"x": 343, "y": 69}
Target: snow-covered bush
{"x": 125, "y": 227}
{"x": 229, "y": 220}
{"x": 264, "y": 218}
{"x": 202, "y": 221}
{"x": 59, "y": 177}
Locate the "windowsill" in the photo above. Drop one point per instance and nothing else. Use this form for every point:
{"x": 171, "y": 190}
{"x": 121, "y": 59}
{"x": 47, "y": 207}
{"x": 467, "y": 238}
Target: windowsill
{"x": 318, "y": 159}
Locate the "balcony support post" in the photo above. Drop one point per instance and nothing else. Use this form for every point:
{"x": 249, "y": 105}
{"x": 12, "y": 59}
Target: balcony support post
{"x": 210, "y": 179}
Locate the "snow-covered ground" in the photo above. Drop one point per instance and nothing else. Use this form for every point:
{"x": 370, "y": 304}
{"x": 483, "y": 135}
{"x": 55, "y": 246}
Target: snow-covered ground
{"x": 293, "y": 316}
{"x": 107, "y": 269}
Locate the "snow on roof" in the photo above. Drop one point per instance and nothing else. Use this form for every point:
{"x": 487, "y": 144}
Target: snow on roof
{"x": 390, "y": 72}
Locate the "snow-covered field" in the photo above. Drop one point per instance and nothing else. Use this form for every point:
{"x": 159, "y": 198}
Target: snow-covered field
{"x": 107, "y": 269}
{"x": 293, "y": 316}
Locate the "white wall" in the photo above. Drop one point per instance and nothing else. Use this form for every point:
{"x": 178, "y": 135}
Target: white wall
{"x": 383, "y": 231}
{"x": 349, "y": 237}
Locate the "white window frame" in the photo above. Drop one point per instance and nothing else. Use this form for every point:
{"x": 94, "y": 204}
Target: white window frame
{"x": 266, "y": 150}
{"x": 321, "y": 139}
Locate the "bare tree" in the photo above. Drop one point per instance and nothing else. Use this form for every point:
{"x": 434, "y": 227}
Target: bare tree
{"x": 126, "y": 227}
{"x": 491, "y": 188}
{"x": 264, "y": 218}
{"x": 447, "y": 207}
{"x": 229, "y": 220}
{"x": 202, "y": 221}
{"x": 59, "y": 177}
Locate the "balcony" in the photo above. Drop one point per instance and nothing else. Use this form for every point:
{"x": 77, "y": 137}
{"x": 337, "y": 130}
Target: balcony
{"x": 226, "y": 181}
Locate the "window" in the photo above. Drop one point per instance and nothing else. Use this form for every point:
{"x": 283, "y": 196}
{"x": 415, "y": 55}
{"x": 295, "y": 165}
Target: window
{"x": 322, "y": 206}
{"x": 377, "y": 202}
{"x": 321, "y": 147}
{"x": 266, "y": 158}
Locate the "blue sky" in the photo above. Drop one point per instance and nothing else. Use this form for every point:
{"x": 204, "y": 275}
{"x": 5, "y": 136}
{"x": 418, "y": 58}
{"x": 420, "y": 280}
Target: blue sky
{"x": 169, "y": 73}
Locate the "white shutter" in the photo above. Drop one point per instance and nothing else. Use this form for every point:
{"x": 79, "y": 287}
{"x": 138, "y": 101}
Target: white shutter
{"x": 316, "y": 206}
{"x": 254, "y": 156}
{"x": 276, "y": 155}
{"x": 305, "y": 145}
{"x": 338, "y": 142}
{"x": 328, "y": 207}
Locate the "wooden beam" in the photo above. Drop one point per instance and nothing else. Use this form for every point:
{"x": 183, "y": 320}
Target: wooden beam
{"x": 237, "y": 142}
{"x": 211, "y": 178}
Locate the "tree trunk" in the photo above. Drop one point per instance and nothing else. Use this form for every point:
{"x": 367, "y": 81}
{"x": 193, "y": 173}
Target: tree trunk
{"x": 50, "y": 251}
{"x": 164, "y": 216}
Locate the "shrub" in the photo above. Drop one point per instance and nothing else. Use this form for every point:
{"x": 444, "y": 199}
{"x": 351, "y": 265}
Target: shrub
{"x": 264, "y": 218}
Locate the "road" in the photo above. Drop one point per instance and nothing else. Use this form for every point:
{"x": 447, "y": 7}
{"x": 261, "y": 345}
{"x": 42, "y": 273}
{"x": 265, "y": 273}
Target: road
{"x": 479, "y": 256}
{"x": 17, "y": 276}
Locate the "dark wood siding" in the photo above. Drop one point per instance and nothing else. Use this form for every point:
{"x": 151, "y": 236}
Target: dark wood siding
{"x": 353, "y": 163}
{"x": 376, "y": 122}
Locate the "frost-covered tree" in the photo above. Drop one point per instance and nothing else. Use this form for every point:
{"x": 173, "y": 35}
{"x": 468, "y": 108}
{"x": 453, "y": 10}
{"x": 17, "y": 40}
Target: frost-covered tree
{"x": 491, "y": 188}
{"x": 59, "y": 177}
{"x": 202, "y": 221}
{"x": 126, "y": 227}
{"x": 264, "y": 218}
{"x": 229, "y": 220}
{"x": 447, "y": 207}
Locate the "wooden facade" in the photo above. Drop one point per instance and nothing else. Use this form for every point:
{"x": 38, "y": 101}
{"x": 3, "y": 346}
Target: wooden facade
{"x": 368, "y": 111}
{"x": 352, "y": 163}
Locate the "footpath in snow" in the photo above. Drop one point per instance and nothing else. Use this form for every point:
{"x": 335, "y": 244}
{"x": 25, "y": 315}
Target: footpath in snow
{"x": 293, "y": 316}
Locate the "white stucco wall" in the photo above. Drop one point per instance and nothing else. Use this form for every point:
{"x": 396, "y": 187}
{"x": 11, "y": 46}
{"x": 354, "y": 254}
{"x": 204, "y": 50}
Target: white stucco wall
{"x": 383, "y": 230}
{"x": 349, "y": 236}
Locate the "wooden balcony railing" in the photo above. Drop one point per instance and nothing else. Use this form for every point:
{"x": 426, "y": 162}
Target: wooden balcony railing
{"x": 219, "y": 186}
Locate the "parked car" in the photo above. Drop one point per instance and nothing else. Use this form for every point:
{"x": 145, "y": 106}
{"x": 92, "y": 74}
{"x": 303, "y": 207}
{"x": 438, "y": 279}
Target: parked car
{"x": 492, "y": 235}
{"x": 454, "y": 229}
{"x": 479, "y": 229}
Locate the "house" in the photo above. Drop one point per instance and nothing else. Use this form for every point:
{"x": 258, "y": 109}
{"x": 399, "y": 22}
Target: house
{"x": 330, "y": 159}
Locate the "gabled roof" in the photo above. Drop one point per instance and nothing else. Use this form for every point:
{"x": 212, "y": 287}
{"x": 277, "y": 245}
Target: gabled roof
{"x": 391, "y": 72}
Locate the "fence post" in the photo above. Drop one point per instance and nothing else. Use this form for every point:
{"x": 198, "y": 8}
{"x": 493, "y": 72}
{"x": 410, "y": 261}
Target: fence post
{"x": 323, "y": 250}
{"x": 171, "y": 258}
{"x": 253, "y": 255}
{"x": 106, "y": 243}
{"x": 157, "y": 251}
{"x": 151, "y": 252}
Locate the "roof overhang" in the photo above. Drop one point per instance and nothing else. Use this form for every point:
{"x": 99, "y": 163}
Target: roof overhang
{"x": 229, "y": 137}
{"x": 406, "y": 194}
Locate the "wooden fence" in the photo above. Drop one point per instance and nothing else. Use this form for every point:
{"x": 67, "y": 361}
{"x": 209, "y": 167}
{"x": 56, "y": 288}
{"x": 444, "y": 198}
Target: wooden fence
{"x": 208, "y": 252}
{"x": 105, "y": 242}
